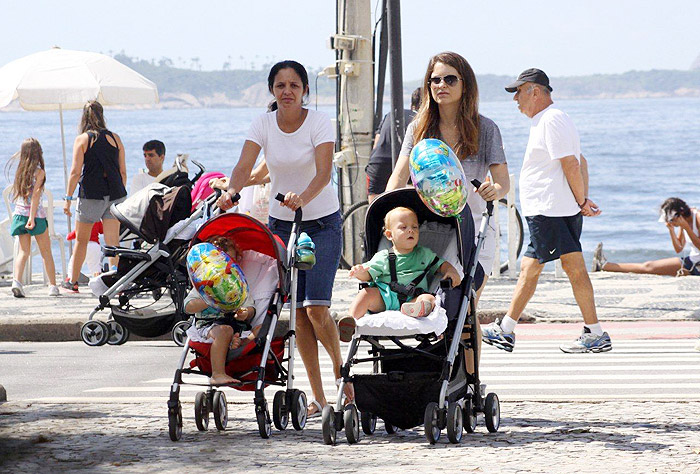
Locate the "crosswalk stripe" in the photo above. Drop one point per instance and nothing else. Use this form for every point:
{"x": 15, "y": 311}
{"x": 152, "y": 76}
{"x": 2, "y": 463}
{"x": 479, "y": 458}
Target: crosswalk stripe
{"x": 660, "y": 369}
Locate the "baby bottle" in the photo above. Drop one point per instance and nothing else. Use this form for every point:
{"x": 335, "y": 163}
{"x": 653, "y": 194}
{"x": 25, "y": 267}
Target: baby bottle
{"x": 306, "y": 252}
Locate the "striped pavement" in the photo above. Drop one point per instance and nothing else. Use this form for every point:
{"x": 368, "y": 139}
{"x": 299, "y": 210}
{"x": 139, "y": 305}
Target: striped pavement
{"x": 636, "y": 369}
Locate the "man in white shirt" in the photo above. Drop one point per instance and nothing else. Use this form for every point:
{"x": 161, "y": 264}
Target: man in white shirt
{"x": 153, "y": 157}
{"x": 554, "y": 199}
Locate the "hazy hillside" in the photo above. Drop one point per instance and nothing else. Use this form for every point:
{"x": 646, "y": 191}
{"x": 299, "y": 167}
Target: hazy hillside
{"x": 247, "y": 88}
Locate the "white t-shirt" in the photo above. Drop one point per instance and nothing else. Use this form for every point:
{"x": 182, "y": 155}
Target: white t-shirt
{"x": 544, "y": 189}
{"x": 291, "y": 161}
{"x": 141, "y": 180}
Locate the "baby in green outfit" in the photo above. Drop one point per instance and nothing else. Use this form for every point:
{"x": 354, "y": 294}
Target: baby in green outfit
{"x": 412, "y": 261}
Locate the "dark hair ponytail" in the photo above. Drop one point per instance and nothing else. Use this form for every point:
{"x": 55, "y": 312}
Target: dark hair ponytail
{"x": 289, "y": 64}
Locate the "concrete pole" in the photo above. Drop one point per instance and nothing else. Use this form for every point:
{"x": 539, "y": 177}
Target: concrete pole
{"x": 356, "y": 117}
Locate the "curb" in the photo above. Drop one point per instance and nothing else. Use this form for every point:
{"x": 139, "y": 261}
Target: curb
{"x": 70, "y": 330}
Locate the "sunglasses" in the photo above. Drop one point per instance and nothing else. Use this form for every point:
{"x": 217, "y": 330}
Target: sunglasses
{"x": 450, "y": 80}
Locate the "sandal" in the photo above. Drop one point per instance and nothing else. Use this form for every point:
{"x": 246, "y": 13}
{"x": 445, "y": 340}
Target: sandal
{"x": 346, "y": 328}
{"x": 317, "y": 413}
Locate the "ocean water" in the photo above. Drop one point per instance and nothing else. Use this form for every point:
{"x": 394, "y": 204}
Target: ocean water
{"x": 640, "y": 151}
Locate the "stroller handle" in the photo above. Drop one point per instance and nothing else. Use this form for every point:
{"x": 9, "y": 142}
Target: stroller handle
{"x": 297, "y": 214}
{"x": 489, "y": 204}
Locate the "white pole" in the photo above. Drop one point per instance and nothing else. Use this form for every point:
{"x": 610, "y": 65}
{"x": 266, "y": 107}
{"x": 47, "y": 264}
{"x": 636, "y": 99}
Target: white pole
{"x": 496, "y": 223}
{"x": 512, "y": 241}
{"x": 65, "y": 170}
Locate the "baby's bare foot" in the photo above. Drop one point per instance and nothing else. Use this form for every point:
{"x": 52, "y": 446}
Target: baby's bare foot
{"x": 417, "y": 309}
{"x": 222, "y": 379}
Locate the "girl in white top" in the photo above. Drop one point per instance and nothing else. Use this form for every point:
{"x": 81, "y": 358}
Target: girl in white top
{"x": 675, "y": 213}
{"x": 298, "y": 145}
{"x": 29, "y": 217}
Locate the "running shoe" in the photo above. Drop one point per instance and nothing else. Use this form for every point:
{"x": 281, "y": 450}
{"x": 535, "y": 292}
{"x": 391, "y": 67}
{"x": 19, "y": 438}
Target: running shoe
{"x": 599, "y": 259}
{"x": 70, "y": 286}
{"x": 17, "y": 289}
{"x": 493, "y": 335}
{"x": 588, "y": 342}
{"x": 53, "y": 290}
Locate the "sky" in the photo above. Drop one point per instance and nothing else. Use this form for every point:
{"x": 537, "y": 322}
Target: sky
{"x": 563, "y": 37}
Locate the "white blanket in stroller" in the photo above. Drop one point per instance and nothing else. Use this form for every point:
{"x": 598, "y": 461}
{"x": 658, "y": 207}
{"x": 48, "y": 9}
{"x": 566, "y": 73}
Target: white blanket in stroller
{"x": 395, "y": 323}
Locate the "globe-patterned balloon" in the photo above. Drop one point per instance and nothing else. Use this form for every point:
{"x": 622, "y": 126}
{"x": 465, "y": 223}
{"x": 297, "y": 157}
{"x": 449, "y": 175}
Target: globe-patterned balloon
{"x": 218, "y": 279}
{"x": 438, "y": 177}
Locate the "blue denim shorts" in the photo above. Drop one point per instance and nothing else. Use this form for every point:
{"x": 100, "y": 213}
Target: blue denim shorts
{"x": 315, "y": 286}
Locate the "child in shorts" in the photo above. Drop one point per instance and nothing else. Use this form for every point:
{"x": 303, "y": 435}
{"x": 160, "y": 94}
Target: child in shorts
{"x": 411, "y": 261}
{"x": 213, "y": 325}
{"x": 29, "y": 216}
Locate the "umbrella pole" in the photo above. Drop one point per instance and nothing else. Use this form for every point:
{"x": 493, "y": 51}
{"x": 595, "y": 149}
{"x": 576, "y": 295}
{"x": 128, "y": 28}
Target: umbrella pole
{"x": 65, "y": 172}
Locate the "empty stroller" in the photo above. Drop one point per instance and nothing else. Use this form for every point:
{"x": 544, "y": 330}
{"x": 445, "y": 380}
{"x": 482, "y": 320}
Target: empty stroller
{"x": 161, "y": 217}
{"x": 261, "y": 362}
{"x": 424, "y": 382}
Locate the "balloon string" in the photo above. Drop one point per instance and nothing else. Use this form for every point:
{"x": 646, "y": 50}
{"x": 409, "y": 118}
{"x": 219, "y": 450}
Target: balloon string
{"x": 459, "y": 218}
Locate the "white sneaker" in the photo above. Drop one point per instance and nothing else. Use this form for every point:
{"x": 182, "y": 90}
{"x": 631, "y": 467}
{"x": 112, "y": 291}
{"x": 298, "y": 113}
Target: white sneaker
{"x": 53, "y": 290}
{"x": 17, "y": 289}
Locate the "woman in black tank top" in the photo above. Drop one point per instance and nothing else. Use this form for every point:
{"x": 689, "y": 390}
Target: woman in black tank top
{"x": 100, "y": 168}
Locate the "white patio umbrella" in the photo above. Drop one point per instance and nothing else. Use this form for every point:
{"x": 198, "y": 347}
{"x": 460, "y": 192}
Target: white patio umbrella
{"x": 60, "y": 79}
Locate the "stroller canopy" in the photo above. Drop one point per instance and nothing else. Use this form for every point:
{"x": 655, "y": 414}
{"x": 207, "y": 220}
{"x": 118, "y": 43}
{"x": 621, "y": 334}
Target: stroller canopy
{"x": 247, "y": 232}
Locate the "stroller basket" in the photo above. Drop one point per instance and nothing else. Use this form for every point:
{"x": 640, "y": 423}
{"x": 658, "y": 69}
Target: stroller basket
{"x": 244, "y": 367}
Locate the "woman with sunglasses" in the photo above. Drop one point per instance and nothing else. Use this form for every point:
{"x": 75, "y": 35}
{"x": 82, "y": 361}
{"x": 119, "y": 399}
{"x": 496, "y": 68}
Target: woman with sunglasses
{"x": 450, "y": 112}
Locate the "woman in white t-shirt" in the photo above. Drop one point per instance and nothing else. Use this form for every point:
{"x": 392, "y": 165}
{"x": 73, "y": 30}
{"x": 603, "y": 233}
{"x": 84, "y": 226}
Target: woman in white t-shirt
{"x": 298, "y": 144}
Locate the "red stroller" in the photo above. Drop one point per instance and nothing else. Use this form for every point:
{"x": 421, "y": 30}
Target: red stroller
{"x": 261, "y": 362}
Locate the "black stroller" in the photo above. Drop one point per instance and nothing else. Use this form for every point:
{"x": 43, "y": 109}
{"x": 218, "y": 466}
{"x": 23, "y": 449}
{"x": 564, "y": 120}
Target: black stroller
{"x": 261, "y": 362}
{"x": 151, "y": 281}
{"x": 424, "y": 381}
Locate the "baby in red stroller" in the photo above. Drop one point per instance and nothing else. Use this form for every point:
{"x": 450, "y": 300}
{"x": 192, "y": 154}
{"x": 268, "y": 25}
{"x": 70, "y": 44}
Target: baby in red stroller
{"x": 226, "y": 331}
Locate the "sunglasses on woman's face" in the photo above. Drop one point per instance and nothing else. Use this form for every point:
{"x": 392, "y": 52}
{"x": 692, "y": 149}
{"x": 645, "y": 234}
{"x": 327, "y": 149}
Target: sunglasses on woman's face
{"x": 450, "y": 80}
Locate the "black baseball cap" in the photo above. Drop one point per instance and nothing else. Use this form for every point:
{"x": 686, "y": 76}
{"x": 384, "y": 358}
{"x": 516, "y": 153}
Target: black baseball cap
{"x": 530, "y": 75}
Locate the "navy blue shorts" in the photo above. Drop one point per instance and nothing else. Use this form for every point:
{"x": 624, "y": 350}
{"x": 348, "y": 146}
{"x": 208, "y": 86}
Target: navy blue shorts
{"x": 315, "y": 286}
{"x": 552, "y": 237}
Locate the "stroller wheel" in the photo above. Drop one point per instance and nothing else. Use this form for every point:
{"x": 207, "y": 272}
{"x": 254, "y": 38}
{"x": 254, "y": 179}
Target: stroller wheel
{"x": 299, "y": 409}
{"x": 175, "y": 423}
{"x": 220, "y": 411}
{"x": 94, "y": 333}
{"x": 432, "y": 423}
{"x": 368, "y": 422}
{"x": 280, "y": 414}
{"x": 492, "y": 412}
{"x": 179, "y": 333}
{"x": 351, "y": 420}
{"x": 469, "y": 416}
{"x": 328, "y": 424}
{"x": 263, "y": 419}
{"x": 118, "y": 334}
{"x": 454, "y": 423}
{"x": 389, "y": 428}
{"x": 201, "y": 411}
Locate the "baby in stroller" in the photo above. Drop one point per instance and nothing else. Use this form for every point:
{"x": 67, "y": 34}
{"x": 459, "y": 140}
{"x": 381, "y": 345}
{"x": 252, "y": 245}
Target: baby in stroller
{"x": 229, "y": 330}
{"x": 398, "y": 275}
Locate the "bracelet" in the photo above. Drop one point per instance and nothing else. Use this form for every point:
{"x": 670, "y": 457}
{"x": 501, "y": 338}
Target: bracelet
{"x": 68, "y": 198}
